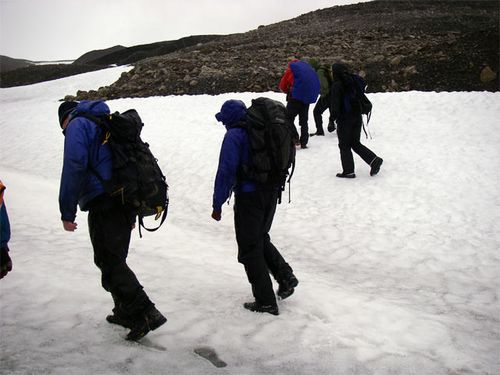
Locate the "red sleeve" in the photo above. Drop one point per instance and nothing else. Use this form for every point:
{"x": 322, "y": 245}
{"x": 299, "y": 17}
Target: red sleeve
{"x": 286, "y": 81}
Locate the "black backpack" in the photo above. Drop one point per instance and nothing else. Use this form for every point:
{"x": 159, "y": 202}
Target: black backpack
{"x": 355, "y": 97}
{"x": 137, "y": 181}
{"x": 272, "y": 150}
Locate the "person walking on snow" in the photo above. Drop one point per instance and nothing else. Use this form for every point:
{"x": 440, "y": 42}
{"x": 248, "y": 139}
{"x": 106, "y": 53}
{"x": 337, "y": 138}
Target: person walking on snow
{"x": 254, "y": 209}
{"x": 300, "y": 83}
{"x": 87, "y": 163}
{"x": 349, "y": 122}
{"x": 325, "y": 80}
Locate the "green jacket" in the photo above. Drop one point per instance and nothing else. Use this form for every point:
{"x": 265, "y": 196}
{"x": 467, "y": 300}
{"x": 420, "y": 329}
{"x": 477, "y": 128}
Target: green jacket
{"x": 325, "y": 80}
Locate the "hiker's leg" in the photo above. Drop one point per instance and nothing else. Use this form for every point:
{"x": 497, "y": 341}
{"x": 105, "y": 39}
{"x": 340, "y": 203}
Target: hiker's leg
{"x": 318, "y": 117}
{"x": 110, "y": 231}
{"x": 303, "y": 122}
{"x": 274, "y": 260}
{"x": 320, "y": 107}
{"x": 248, "y": 223}
{"x": 344, "y": 134}
{"x": 292, "y": 110}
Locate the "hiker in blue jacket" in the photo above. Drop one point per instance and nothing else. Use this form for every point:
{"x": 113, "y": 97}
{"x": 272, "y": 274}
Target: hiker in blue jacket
{"x": 254, "y": 209}
{"x": 5, "y": 260}
{"x": 301, "y": 85}
{"x": 87, "y": 163}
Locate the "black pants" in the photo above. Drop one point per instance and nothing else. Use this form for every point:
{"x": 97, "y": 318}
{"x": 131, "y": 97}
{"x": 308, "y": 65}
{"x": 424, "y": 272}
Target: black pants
{"x": 253, "y": 217}
{"x": 349, "y": 134}
{"x": 293, "y": 108}
{"x": 321, "y": 106}
{"x": 110, "y": 228}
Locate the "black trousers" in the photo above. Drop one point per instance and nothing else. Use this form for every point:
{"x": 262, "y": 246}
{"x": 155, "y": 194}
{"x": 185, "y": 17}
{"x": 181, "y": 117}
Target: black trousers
{"x": 321, "y": 106}
{"x": 349, "y": 133}
{"x": 293, "y": 108}
{"x": 110, "y": 229}
{"x": 253, "y": 217}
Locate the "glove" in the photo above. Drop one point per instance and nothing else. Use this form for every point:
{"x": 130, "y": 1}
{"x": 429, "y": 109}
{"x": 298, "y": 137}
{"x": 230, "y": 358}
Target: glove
{"x": 216, "y": 215}
{"x": 331, "y": 126}
{"x": 5, "y": 261}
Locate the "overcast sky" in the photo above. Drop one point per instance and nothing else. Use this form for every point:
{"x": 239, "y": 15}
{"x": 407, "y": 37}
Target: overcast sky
{"x": 66, "y": 29}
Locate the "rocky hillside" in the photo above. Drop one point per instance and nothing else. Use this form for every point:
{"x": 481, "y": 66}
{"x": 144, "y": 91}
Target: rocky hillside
{"x": 41, "y": 73}
{"x": 398, "y": 45}
{"x": 427, "y": 45}
{"x": 8, "y": 64}
{"x": 93, "y": 57}
{"x": 130, "y": 55}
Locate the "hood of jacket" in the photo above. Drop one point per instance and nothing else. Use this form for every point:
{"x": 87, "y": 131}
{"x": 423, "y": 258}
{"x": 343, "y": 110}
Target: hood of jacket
{"x": 96, "y": 108}
{"x": 231, "y": 112}
{"x": 340, "y": 72}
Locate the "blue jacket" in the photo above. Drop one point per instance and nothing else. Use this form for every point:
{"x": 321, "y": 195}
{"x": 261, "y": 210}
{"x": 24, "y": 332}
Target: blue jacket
{"x": 306, "y": 84}
{"x": 84, "y": 156}
{"x": 4, "y": 226}
{"x": 234, "y": 154}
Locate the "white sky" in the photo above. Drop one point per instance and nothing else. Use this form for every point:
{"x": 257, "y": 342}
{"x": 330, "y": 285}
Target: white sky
{"x": 66, "y": 29}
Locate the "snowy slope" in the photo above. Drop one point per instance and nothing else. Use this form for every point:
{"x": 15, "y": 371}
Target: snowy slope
{"x": 399, "y": 273}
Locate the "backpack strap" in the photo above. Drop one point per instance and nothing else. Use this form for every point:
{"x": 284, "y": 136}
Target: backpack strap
{"x": 99, "y": 121}
{"x": 290, "y": 183}
{"x": 163, "y": 217}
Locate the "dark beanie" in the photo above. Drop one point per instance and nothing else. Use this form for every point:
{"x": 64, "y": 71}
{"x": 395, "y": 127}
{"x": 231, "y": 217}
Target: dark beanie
{"x": 65, "y": 109}
{"x": 339, "y": 68}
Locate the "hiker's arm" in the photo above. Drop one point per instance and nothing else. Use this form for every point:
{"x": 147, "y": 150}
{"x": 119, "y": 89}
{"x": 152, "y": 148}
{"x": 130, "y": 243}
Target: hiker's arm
{"x": 335, "y": 102}
{"x": 74, "y": 170}
{"x": 225, "y": 179}
{"x": 286, "y": 81}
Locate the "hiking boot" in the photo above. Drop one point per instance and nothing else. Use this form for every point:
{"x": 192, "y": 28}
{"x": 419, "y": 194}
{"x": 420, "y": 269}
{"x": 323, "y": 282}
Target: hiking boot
{"x": 346, "y": 175}
{"x": 5, "y": 261}
{"x": 375, "y": 165}
{"x": 257, "y": 307}
{"x": 151, "y": 320}
{"x": 120, "y": 320}
{"x": 287, "y": 287}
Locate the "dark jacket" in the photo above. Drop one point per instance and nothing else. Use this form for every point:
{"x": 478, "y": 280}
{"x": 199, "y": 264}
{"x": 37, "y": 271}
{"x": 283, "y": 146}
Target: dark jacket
{"x": 341, "y": 81}
{"x": 4, "y": 226}
{"x": 84, "y": 157}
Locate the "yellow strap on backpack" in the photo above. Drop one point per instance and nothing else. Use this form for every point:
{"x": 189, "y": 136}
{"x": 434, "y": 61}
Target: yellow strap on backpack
{"x": 159, "y": 210}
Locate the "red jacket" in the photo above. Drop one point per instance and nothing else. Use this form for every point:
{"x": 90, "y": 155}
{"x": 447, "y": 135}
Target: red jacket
{"x": 286, "y": 82}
